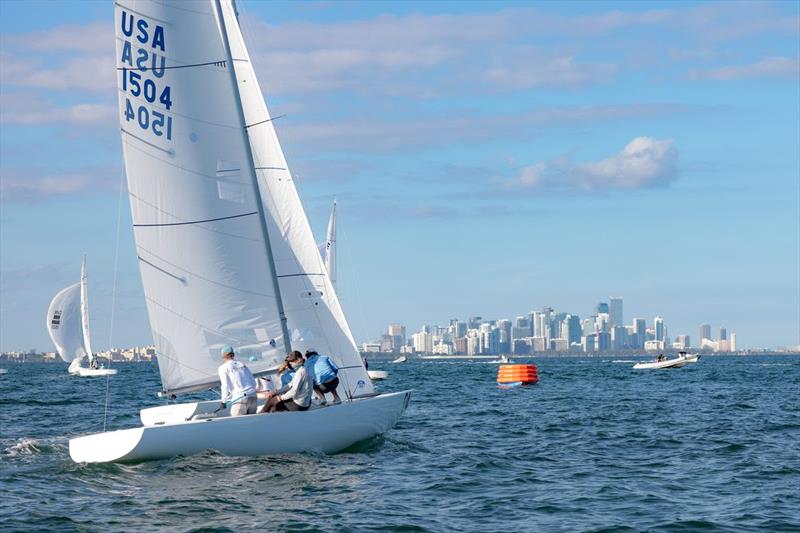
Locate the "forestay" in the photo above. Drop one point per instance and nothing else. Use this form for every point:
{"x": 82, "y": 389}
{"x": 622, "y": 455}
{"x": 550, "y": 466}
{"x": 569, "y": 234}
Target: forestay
{"x": 64, "y": 323}
{"x": 202, "y": 252}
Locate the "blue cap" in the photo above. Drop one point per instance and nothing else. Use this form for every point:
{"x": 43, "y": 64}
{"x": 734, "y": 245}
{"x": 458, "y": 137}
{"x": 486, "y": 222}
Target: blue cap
{"x": 226, "y": 350}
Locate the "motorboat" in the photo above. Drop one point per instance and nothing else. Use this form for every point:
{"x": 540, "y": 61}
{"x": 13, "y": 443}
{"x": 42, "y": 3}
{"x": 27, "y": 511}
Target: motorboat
{"x": 666, "y": 363}
{"x": 691, "y": 357}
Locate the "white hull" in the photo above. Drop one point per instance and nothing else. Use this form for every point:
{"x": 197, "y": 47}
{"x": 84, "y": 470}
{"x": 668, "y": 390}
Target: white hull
{"x": 76, "y": 369}
{"x": 654, "y": 365}
{"x": 376, "y": 375}
{"x": 401, "y": 359}
{"x": 327, "y": 430}
{"x": 94, "y": 372}
{"x": 692, "y": 358}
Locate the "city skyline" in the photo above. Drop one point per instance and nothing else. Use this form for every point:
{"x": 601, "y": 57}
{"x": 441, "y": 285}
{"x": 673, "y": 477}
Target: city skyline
{"x": 484, "y": 155}
{"x": 551, "y": 330}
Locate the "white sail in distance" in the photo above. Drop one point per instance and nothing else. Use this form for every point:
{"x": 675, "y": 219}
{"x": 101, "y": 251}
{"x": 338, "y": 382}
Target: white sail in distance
{"x": 200, "y": 208}
{"x": 64, "y": 323}
{"x": 327, "y": 249}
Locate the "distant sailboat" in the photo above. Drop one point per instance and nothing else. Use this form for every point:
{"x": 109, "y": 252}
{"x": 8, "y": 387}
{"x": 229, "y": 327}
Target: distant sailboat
{"x": 214, "y": 208}
{"x": 68, "y": 326}
{"x": 328, "y": 251}
{"x": 328, "y": 248}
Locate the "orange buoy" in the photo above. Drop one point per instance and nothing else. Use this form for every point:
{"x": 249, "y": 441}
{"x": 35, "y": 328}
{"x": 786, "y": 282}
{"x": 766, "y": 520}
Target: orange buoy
{"x": 517, "y": 375}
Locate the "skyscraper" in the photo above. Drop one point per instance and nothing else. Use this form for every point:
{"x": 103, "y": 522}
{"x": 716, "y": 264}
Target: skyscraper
{"x": 398, "y": 334}
{"x": 658, "y": 328}
{"x": 723, "y": 334}
{"x": 504, "y": 329}
{"x": 572, "y": 325}
{"x": 615, "y": 311}
{"x": 705, "y": 333}
{"x": 640, "y": 332}
{"x": 602, "y": 307}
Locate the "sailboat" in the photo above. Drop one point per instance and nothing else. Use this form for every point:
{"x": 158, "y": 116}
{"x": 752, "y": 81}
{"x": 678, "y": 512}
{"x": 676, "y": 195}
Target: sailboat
{"x": 68, "y": 326}
{"x": 328, "y": 248}
{"x": 214, "y": 207}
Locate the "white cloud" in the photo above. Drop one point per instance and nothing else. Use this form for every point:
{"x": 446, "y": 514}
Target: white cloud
{"x": 34, "y": 183}
{"x": 25, "y": 109}
{"x": 563, "y": 72}
{"x": 90, "y": 37}
{"x": 644, "y": 162}
{"x": 92, "y": 72}
{"x": 770, "y": 67}
{"x": 460, "y": 126}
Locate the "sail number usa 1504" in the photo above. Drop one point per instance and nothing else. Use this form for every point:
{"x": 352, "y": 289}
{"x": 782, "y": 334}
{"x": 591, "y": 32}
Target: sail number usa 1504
{"x": 143, "y": 65}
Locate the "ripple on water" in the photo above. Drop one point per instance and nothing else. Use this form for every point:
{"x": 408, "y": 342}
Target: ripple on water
{"x": 594, "y": 446}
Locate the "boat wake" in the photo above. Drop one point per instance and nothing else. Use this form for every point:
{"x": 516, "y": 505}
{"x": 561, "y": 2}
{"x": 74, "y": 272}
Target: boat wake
{"x": 28, "y": 446}
{"x": 625, "y": 361}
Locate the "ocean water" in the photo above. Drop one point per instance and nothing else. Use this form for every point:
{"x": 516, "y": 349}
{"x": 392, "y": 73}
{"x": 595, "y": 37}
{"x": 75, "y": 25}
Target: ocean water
{"x": 595, "y": 446}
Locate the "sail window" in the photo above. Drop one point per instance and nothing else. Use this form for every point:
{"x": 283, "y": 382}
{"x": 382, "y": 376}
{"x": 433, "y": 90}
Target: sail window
{"x": 229, "y": 184}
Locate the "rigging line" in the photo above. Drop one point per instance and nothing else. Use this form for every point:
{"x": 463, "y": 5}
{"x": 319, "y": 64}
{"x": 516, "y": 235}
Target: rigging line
{"x": 265, "y": 121}
{"x": 301, "y": 274}
{"x": 193, "y": 221}
{"x": 114, "y": 293}
{"x": 220, "y": 63}
{"x": 205, "y": 228}
{"x": 194, "y": 274}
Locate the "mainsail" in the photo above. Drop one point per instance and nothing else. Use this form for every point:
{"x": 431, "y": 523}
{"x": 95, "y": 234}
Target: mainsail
{"x": 64, "y": 323}
{"x": 207, "y": 223}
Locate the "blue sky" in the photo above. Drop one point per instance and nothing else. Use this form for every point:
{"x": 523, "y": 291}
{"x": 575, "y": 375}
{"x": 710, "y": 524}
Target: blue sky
{"x": 488, "y": 159}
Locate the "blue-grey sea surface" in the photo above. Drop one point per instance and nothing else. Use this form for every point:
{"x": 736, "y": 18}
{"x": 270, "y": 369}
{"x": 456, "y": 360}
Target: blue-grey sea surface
{"x": 593, "y": 446}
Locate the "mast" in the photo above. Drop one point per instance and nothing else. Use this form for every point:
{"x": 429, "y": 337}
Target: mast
{"x": 287, "y": 341}
{"x": 85, "y": 311}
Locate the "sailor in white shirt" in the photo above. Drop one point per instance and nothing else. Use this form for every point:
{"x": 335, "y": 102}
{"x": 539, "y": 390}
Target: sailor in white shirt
{"x": 238, "y": 387}
{"x": 296, "y": 395}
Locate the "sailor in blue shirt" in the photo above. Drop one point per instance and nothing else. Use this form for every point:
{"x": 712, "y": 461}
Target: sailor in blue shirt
{"x": 325, "y": 374}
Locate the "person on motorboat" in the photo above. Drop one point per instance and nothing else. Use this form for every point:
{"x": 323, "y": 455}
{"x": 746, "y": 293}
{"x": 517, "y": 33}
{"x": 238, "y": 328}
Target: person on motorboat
{"x": 93, "y": 364}
{"x": 661, "y": 357}
{"x": 296, "y": 396}
{"x": 237, "y": 385}
{"x": 325, "y": 375}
